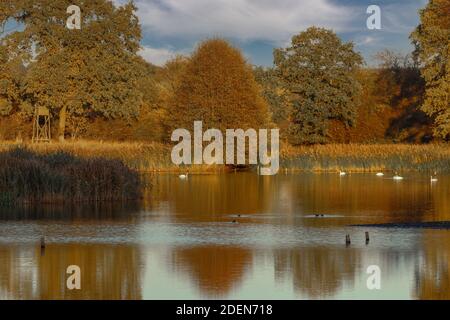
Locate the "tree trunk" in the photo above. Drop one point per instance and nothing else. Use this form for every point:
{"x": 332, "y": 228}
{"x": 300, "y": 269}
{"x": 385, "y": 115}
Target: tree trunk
{"x": 62, "y": 124}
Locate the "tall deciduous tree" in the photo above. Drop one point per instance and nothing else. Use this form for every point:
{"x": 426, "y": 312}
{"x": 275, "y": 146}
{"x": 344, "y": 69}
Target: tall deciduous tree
{"x": 275, "y": 94}
{"x": 432, "y": 41}
{"x": 11, "y": 76}
{"x": 318, "y": 70}
{"x": 219, "y": 88}
{"x": 88, "y": 72}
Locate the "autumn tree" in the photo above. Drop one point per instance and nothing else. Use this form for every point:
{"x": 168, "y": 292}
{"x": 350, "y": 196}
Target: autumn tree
{"x": 89, "y": 72}
{"x": 432, "y": 41}
{"x": 218, "y": 87}
{"x": 318, "y": 70}
{"x": 150, "y": 124}
{"x": 11, "y": 77}
{"x": 275, "y": 95}
{"x": 169, "y": 76}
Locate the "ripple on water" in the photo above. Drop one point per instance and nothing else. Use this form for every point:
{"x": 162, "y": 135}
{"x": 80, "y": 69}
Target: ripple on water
{"x": 196, "y": 234}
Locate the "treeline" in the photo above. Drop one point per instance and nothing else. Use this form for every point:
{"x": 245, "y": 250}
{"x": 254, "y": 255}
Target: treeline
{"x": 319, "y": 90}
{"x": 384, "y": 106}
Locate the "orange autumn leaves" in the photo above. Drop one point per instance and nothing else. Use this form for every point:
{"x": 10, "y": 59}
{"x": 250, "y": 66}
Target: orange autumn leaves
{"x": 218, "y": 87}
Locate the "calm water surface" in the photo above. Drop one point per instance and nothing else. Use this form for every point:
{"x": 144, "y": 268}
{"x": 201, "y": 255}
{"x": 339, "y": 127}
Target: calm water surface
{"x": 181, "y": 242}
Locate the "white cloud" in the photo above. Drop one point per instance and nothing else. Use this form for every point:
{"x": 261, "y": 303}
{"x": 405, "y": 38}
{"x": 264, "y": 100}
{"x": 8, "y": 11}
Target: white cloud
{"x": 267, "y": 20}
{"x": 169, "y": 24}
{"x": 366, "y": 40}
{"x": 159, "y": 56}
{"x": 401, "y": 18}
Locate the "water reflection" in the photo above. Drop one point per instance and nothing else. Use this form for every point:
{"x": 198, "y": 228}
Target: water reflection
{"x": 71, "y": 212}
{"x": 215, "y": 270}
{"x": 318, "y": 272}
{"x": 432, "y": 273}
{"x": 108, "y": 272}
{"x": 180, "y": 242}
{"x": 358, "y": 196}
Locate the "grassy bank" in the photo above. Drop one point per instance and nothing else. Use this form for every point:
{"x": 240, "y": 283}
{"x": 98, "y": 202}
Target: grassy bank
{"x": 154, "y": 157}
{"x": 368, "y": 158}
{"x": 29, "y": 177}
{"x": 143, "y": 157}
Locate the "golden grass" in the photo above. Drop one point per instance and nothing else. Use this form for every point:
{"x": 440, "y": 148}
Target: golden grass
{"x": 368, "y": 158}
{"x": 142, "y": 156}
{"x": 155, "y": 157}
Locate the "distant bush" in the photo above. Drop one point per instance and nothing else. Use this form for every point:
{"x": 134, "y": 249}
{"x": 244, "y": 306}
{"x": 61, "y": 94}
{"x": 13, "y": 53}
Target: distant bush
{"x": 26, "y": 176}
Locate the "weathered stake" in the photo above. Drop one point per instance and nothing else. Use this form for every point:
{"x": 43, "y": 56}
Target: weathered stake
{"x": 367, "y": 238}
{"x": 347, "y": 240}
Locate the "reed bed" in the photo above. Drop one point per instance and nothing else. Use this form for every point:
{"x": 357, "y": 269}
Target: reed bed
{"x": 367, "y": 158}
{"x": 60, "y": 177}
{"x": 155, "y": 157}
{"x": 145, "y": 157}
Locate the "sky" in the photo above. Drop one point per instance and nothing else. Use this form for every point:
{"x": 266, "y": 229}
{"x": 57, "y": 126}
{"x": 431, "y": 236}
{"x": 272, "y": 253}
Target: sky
{"x": 172, "y": 27}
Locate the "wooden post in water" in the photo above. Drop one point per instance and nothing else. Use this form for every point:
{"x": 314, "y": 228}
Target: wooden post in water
{"x": 42, "y": 246}
{"x": 367, "y": 238}
{"x": 348, "y": 240}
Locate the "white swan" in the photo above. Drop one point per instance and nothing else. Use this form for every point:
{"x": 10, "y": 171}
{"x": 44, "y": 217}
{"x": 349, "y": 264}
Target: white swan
{"x": 433, "y": 179}
{"x": 342, "y": 173}
{"x": 380, "y": 174}
{"x": 397, "y": 177}
{"x": 183, "y": 176}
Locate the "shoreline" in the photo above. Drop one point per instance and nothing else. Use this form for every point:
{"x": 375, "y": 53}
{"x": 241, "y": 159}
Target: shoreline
{"x": 444, "y": 225}
{"x": 151, "y": 157}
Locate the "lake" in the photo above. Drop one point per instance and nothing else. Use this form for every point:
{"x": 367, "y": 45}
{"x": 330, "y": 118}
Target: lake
{"x": 181, "y": 242}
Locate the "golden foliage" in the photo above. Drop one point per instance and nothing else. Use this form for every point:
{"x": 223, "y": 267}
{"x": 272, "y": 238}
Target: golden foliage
{"x": 219, "y": 88}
